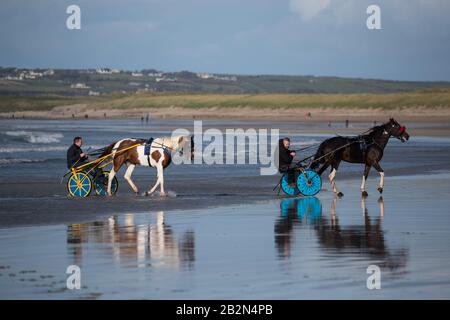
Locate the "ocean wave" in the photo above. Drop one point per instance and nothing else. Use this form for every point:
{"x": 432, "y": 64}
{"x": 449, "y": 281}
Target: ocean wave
{"x": 31, "y": 149}
{"x": 35, "y": 137}
{"x": 39, "y": 149}
{"x": 23, "y": 160}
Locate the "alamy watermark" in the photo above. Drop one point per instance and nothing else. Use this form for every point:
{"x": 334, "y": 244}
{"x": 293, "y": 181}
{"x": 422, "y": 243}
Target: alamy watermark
{"x": 374, "y": 280}
{"x": 74, "y": 279}
{"x": 73, "y": 21}
{"x": 232, "y": 146}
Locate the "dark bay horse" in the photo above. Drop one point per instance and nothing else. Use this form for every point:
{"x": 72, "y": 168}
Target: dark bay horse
{"x": 367, "y": 149}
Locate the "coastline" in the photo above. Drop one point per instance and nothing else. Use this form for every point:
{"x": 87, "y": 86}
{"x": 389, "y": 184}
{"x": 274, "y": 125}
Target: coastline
{"x": 433, "y": 122}
{"x": 313, "y": 114}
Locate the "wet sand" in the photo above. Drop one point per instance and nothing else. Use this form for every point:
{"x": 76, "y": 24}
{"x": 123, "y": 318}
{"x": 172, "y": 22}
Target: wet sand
{"x": 282, "y": 248}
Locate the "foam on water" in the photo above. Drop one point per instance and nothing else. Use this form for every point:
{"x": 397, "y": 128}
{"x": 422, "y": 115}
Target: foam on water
{"x": 15, "y": 161}
{"x": 35, "y": 137}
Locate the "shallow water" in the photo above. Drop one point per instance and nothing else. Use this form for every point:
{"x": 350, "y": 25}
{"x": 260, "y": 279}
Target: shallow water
{"x": 36, "y": 149}
{"x": 284, "y": 248}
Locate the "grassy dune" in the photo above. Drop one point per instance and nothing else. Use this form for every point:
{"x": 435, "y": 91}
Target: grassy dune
{"x": 432, "y": 98}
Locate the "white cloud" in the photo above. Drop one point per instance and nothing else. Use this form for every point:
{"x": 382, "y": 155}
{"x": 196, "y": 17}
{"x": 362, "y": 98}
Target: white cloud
{"x": 307, "y": 9}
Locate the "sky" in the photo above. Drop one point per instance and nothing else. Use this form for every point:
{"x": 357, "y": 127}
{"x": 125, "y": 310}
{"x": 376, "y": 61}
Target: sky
{"x": 290, "y": 37}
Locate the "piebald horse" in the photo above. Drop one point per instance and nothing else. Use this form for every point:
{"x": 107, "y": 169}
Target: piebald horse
{"x": 367, "y": 149}
{"x": 159, "y": 157}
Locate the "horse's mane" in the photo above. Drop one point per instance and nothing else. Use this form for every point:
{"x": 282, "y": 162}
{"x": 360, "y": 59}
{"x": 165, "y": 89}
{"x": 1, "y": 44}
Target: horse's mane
{"x": 375, "y": 129}
{"x": 367, "y": 133}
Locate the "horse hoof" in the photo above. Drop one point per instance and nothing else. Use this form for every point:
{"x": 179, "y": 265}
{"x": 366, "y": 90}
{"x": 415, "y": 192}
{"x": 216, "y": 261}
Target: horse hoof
{"x": 364, "y": 194}
{"x": 380, "y": 190}
{"x": 340, "y": 194}
{"x": 145, "y": 194}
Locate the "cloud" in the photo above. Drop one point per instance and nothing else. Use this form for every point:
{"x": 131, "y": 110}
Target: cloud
{"x": 307, "y": 9}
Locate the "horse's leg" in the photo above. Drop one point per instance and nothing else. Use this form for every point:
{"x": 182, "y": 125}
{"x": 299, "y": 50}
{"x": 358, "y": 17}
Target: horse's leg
{"x": 332, "y": 178}
{"x": 158, "y": 179}
{"x": 364, "y": 179}
{"x": 111, "y": 176}
{"x": 161, "y": 183}
{"x": 117, "y": 164}
{"x": 127, "y": 177}
{"x": 323, "y": 168}
{"x": 380, "y": 170}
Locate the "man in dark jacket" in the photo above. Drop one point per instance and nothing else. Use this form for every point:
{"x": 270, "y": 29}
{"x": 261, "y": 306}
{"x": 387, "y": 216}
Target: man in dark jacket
{"x": 76, "y": 156}
{"x": 285, "y": 158}
{"x": 285, "y": 155}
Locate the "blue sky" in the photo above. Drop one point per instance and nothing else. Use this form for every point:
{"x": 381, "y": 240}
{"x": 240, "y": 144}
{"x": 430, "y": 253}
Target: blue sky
{"x": 304, "y": 37}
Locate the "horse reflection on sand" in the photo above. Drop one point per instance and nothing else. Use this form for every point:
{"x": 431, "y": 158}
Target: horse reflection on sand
{"x": 135, "y": 245}
{"x": 366, "y": 239}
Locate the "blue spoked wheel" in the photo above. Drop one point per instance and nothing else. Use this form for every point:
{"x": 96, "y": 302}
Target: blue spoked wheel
{"x": 309, "y": 208}
{"x": 289, "y": 189}
{"x": 309, "y": 183}
{"x": 79, "y": 184}
{"x": 101, "y": 184}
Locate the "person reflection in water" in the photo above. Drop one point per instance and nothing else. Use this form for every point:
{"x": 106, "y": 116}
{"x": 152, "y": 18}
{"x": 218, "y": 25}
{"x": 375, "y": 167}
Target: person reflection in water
{"x": 366, "y": 239}
{"x": 128, "y": 242}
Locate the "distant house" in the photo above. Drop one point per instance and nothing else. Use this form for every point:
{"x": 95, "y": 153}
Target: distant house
{"x": 94, "y": 93}
{"x": 215, "y": 77}
{"x": 103, "y": 71}
{"x": 79, "y": 86}
{"x": 48, "y": 72}
{"x": 205, "y": 75}
{"x": 137, "y": 74}
{"x": 155, "y": 74}
{"x": 166, "y": 79}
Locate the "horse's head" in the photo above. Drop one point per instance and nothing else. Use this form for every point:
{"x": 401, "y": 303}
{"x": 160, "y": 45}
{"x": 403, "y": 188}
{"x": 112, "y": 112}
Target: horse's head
{"x": 395, "y": 129}
{"x": 185, "y": 144}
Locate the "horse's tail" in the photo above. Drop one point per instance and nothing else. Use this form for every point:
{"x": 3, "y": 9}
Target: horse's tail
{"x": 318, "y": 157}
{"x": 108, "y": 149}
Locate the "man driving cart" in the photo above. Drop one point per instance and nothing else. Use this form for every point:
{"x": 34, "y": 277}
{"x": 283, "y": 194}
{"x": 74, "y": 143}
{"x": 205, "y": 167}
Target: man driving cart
{"x": 285, "y": 157}
{"x": 76, "y": 157}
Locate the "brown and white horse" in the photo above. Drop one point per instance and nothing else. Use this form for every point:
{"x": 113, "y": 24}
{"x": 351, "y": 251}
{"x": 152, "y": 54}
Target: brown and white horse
{"x": 160, "y": 156}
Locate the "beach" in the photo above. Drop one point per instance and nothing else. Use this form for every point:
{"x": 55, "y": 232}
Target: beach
{"x": 222, "y": 231}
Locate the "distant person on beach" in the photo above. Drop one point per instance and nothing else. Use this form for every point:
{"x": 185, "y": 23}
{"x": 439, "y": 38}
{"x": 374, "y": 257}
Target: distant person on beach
{"x": 346, "y": 123}
{"x": 147, "y": 118}
{"x": 76, "y": 156}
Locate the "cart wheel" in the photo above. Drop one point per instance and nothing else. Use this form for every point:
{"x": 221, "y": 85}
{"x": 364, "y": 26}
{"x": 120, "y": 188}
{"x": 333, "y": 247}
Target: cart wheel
{"x": 289, "y": 189}
{"x": 309, "y": 183}
{"x": 309, "y": 208}
{"x": 101, "y": 184}
{"x": 79, "y": 184}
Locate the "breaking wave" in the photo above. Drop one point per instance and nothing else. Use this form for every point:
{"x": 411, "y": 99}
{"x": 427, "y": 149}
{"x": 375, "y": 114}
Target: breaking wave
{"x": 39, "y": 149}
{"x": 35, "y": 137}
{"x": 18, "y": 160}
{"x": 31, "y": 149}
